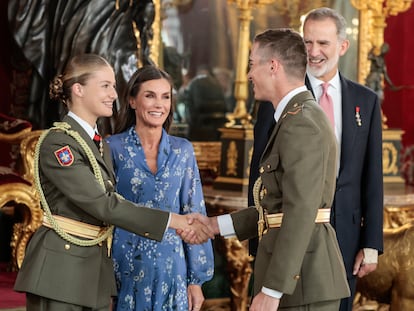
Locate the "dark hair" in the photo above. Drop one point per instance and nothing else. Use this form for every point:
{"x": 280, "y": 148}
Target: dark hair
{"x": 126, "y": 116}
{"x": 324, "y": 13}
{"x": 78, "y": 70}
{"x": 287, "y": 46}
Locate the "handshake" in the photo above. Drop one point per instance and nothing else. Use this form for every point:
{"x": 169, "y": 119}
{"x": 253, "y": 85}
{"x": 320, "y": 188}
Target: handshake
{"x": 194, "y": 228}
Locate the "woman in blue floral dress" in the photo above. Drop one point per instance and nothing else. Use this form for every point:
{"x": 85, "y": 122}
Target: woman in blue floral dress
{"x": 158, "y": 171}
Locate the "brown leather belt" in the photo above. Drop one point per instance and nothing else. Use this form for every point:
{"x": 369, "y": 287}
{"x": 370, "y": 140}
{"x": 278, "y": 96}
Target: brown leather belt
{"x": 275, "y": 220}
{"x": 75, "y": 227}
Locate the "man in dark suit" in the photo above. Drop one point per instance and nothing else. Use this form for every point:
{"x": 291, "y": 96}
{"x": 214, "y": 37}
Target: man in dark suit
{"x": 357, "y": 211}
{"x": 298, "y": 251}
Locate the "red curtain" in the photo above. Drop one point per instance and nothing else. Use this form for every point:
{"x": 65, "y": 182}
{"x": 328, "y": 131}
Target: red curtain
{"x": 398, "y": 106}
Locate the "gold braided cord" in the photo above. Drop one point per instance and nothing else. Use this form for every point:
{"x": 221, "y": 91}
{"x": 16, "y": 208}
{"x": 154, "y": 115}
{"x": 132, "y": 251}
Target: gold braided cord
{"x": 257, "y": 188}
{"x": 106, "y": 234}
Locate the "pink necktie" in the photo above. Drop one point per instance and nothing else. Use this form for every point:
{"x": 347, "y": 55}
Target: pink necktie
{"x": 327, "y": 104}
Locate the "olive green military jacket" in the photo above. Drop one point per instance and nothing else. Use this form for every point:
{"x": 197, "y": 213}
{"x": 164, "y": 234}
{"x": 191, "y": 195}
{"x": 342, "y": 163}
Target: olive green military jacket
{"x": 301, "y": 259}
{"x": 59, "y": 270}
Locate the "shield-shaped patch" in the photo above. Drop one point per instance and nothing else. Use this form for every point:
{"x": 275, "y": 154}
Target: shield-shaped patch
{"x": 64, "y": 156}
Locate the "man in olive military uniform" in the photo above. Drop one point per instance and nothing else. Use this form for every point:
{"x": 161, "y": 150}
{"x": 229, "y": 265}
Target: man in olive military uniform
{"x": 298, "y": 264}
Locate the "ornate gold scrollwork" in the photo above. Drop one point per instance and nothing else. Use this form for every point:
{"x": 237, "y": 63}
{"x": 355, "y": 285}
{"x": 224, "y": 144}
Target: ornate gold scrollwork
{"x": 372, "y": 16}
{"x": 389, "y": 158}
{"x": 240, "y": 270}
{"x": 232, "y": 159}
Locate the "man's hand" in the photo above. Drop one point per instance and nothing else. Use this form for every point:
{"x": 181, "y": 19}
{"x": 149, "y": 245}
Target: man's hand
{"x": 209, "y": 222}
{"x": 192, "y": 228}
{"x": 360, "y": 268}
{"x": 263, "y": 302}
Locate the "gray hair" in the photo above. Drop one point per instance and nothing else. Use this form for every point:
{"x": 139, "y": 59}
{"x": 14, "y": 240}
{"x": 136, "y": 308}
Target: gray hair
{"x": 323, "y": 13}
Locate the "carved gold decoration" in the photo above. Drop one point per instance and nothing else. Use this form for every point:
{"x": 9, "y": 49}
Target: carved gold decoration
{"x": 389, "y": 158}
{"x": 373, "y": 14}
{"x": 236, "y": 143}
{"x": 138, "y": 43}
{"x": 156, "y": 29}
{"x": 22, "y": 197}
{"x": 232, "y": 159}
{"x": 240, "y": 270}
{"x": 27, "y": 151}
{"x": 208, "y": 155}
{"x": 250, "y": 160}
{"x": 398, "y": 216}
{"x": 391, "y": 147}
{"x": 391, "y": 282}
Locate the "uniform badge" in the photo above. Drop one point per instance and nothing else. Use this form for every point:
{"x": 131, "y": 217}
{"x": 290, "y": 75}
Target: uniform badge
{"x": 64, "y": 156}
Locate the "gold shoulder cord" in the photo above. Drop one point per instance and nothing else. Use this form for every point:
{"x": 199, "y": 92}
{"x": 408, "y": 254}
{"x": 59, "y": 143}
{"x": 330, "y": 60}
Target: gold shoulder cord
{"x": 107, "y": 233}
{"x": 257, "y": 189}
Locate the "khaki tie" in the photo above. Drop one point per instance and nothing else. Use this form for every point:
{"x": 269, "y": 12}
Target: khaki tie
{"x": 326, "y": 103}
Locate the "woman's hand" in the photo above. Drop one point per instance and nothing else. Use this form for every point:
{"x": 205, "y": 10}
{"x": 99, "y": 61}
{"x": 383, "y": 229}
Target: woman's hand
{"x": 195, "y": 297}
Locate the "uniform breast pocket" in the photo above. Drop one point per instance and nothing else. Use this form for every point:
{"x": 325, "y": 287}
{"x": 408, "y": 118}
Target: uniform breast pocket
{"x": 270, "y": 164}
{"x": 271, "y": 173}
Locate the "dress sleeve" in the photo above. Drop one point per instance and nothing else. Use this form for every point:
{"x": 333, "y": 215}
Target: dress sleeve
{"x": 200, "y": 258}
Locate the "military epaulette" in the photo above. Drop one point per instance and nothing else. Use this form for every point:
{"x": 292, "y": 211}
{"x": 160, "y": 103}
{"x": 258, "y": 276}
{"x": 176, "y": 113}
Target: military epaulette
{"x": 295, "y": 110}
{"x": 61, "y": 125}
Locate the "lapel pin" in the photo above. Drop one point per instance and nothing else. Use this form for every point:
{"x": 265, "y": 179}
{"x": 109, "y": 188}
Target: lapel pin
{"x": 358, "y": 116}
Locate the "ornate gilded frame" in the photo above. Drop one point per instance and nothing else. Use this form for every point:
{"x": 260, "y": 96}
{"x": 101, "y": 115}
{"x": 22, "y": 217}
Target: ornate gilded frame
{"x": 372, "y": 17}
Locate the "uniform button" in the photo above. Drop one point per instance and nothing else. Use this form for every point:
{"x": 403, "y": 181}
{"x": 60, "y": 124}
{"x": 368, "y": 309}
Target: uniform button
{"x": 268, "y": 166}
{"x": 295, "y": 105}
{"x": 296, "y": 277}
{"x": 261, "y": 170}
{"x": 146, "y": 234}
{"x": 67, "y": 246}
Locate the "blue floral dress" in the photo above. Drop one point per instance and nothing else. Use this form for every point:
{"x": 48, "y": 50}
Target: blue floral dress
{"x": 154, "y": 275}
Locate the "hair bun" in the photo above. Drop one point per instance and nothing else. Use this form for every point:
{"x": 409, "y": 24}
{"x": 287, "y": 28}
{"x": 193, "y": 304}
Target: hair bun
{"x": 56, "y": 89}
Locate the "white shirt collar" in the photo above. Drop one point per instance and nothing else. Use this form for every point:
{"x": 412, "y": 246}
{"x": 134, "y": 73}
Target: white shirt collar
{"x": 315, "y": 82}
{"x": 285, "y": 100}
{"x": 85, "y": 125}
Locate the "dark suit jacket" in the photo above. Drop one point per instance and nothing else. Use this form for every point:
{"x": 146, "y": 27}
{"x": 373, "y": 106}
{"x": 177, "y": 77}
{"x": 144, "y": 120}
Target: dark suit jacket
{"x": 358, "y": 203}
{"x": 298, "y": 166}
{"x": 358, "y": 206}
{"x": 56, "y": 269}
{"x": 261, "y": 133}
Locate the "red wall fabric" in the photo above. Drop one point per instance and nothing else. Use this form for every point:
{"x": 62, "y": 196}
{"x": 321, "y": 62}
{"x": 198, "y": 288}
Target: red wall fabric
{"x": 398, "y": 106}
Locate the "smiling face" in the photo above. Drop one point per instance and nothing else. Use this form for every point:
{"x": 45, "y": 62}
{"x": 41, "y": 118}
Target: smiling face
{"x": 96, "y": 96}
{"x": 259, "y": 73}
{"x": 324, "y": 47}
{"x": 152, "y": 104}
